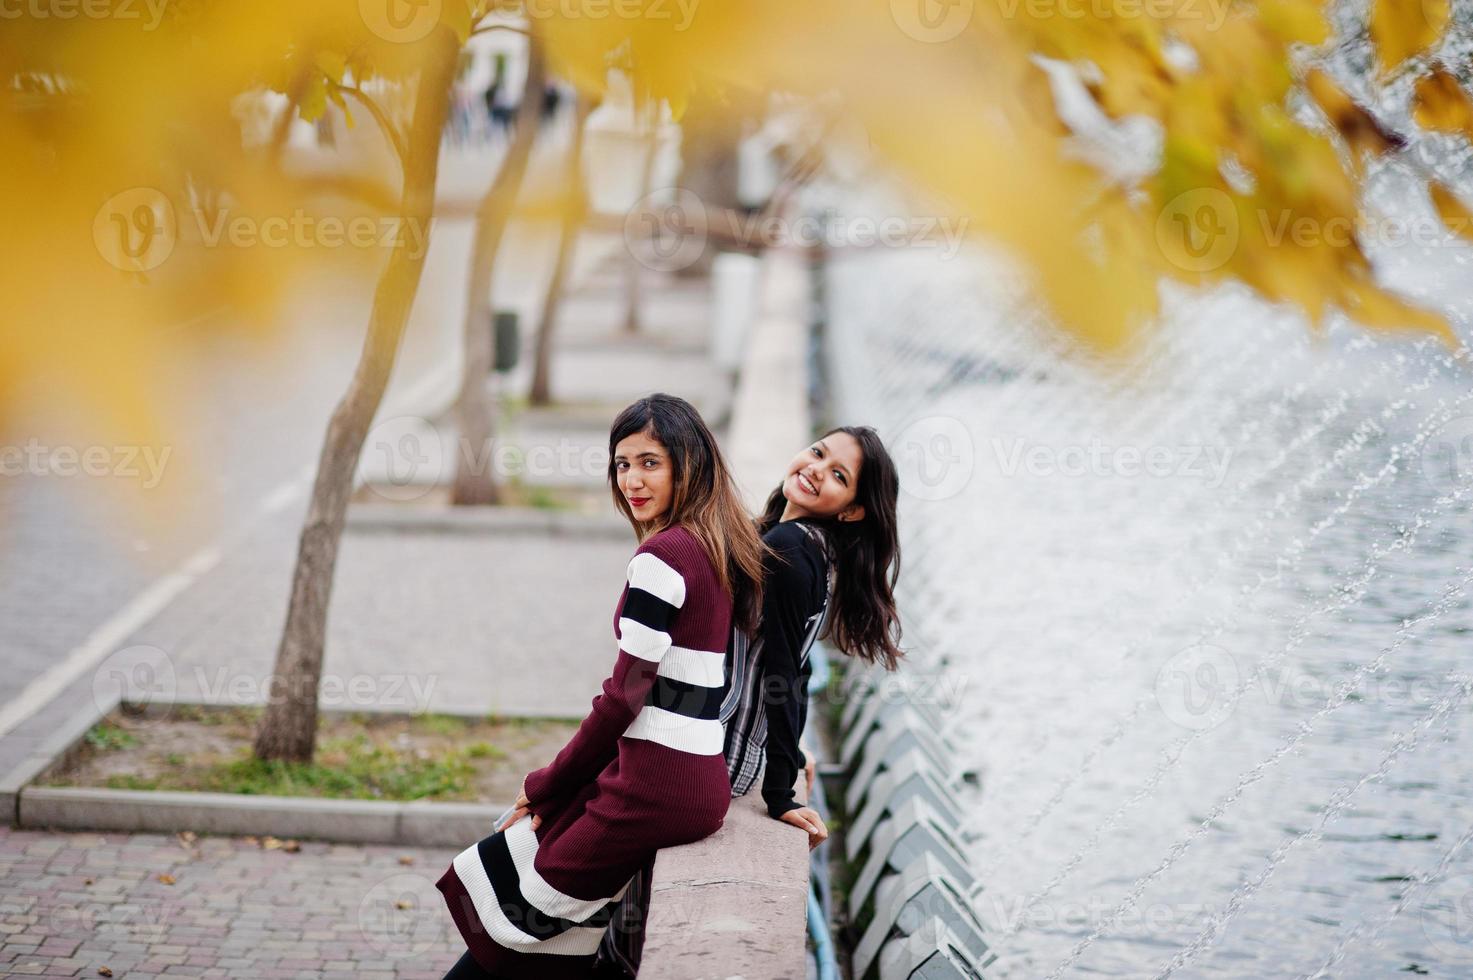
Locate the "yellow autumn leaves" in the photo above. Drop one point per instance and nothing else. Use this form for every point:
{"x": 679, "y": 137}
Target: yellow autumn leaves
{"x": 149, "y": 116}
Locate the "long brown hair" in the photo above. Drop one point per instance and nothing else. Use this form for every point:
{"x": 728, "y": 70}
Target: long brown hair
{"x": 704, "y": 500}
{"x": 866, "y": 556}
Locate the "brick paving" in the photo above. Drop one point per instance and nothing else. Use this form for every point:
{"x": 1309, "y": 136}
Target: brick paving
{"x": 447, "y": 613}
{"x": 73, "y": 904}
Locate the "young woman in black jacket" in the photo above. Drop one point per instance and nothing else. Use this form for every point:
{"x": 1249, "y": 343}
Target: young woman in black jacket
{"x": 834, "y": 558}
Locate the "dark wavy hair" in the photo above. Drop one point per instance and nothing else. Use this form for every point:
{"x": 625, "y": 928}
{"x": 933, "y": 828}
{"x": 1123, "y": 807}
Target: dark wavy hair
{"x": 866, "y": 556}
{"x": 704, "y": 501}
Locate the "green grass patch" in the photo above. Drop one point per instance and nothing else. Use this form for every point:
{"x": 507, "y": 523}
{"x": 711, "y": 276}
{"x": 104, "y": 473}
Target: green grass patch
{"x": 107, "y": 737}
{"x": 348, "y": 768}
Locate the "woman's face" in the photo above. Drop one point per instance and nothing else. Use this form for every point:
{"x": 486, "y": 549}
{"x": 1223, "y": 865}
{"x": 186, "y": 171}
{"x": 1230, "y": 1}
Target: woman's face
{"x": 645, "y": 475}
{"x": 822, "y": 480}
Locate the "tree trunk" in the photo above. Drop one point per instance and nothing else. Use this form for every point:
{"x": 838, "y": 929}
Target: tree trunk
{"x": 475, "y": 478}
{"x": 288, "y": 730}
{"x": 567, "y": 241}
{"x": 632, "y": 270}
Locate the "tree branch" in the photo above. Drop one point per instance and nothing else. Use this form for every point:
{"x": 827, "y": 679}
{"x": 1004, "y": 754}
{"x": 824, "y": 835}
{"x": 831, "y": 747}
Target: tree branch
{"x": 391, "y": 132}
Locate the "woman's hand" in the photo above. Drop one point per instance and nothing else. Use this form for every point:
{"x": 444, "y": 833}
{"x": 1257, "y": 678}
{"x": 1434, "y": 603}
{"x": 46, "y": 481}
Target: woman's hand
{"x": 807, "y": 819}
{"x": 522, "y": 809}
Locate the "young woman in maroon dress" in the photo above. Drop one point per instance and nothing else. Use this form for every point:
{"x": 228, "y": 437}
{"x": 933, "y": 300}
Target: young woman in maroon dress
{"x": 833, "y": 558}
{"x": 645, "y": 769}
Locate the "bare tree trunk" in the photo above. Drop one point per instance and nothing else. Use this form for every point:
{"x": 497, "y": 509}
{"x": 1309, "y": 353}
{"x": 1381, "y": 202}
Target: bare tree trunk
{"x": 289, "y": 729}
{"x": 632, "y": 270}
{"x": 573, "y": 217}
{"x": 475, "y": 479}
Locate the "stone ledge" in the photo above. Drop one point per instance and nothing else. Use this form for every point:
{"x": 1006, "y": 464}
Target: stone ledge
{"x": 733, "y": 904}
{"x": 346, "y": 821}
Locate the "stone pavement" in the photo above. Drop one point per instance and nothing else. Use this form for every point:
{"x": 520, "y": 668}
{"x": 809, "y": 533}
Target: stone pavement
{"x": 491, "y": 620}
{"x": 147, "y": 905}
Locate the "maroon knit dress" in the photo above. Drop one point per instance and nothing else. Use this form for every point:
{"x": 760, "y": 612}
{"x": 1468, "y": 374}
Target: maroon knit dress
{"x": 644, "y": 771}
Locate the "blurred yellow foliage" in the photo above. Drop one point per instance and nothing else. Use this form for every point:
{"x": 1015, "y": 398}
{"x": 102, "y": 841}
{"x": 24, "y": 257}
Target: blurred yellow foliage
{"x": 124, "y": 139}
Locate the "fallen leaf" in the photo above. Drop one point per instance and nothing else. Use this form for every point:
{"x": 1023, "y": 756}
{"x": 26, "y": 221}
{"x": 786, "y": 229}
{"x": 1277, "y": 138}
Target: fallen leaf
{"x": 403, "y": 903}
{"x": 1359, "y": 128}
{"x": 406, "y": 859}
{"x": 270, "y": 843}
{"x": 1453, "y": 212}
{"x": 1440, "y": 103}
{"x": 291, "y": 847}
{"x": 166, "y": 879}
{"x": 104, "y": 971}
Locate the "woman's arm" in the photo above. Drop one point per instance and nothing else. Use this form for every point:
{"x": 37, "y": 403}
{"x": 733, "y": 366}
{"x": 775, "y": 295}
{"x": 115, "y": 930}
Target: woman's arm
{"x": 788, "y": 587}
{"x": 656, "y": 590}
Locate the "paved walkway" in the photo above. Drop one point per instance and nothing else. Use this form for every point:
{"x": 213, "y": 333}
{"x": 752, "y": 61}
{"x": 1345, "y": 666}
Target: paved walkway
{"x": 150, "y": 905}
{"x": 454, "y": 621}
